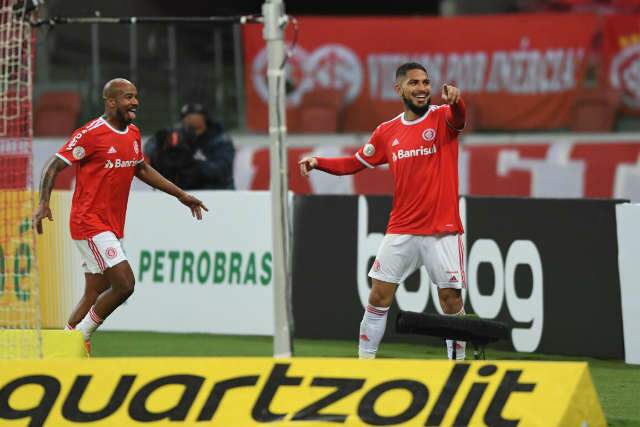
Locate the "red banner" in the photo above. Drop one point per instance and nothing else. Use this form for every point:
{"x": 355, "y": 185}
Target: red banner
{"x": 621, "y": 59}
{"x": 516, "y": 71}
{"x": 605, "y": 169}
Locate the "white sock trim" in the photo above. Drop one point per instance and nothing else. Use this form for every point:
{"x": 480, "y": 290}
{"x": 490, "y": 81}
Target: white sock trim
{"x": 460, "y": 313}
{"x": 380, "y": 311}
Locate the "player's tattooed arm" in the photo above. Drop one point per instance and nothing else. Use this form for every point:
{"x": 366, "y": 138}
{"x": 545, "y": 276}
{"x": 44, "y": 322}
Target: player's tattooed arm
{"x": 48, "y": 179}
{"x": 49, "y": 174}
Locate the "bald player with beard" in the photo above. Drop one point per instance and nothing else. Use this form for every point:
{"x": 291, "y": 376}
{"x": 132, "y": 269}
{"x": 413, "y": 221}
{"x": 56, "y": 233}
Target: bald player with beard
{"x": 107, "y": 153}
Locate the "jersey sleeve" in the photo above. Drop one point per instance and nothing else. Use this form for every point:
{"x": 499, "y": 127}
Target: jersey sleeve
{"x": 373, "y": 153}
{"x": 138, "y": 147}
{"x": 77, "y": 148}
{"x": 450, "y": 116}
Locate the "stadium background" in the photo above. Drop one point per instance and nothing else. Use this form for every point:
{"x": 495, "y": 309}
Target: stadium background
{"x": 575, "y": 142}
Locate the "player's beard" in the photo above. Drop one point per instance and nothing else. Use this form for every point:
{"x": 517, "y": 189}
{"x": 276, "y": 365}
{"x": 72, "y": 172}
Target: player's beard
{"x": 416, "y": 109}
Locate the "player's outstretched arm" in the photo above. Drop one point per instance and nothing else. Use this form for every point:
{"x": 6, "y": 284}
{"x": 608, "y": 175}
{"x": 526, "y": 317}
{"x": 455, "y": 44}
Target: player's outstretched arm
{"x": 333, "y": 165}
{"x": 152, "y": 177}
{"x": 48, "y": 179}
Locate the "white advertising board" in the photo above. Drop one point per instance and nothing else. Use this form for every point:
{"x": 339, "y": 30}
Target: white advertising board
{"x": 211, "y": 276}
{"x": 628, "y": 224}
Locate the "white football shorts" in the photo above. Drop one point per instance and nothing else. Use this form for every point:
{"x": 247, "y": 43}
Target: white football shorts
{"x": 399, "y": 255}
{"x": 100, "y": 252}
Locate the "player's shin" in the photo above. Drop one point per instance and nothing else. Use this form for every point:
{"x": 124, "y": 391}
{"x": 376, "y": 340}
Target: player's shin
{"x": 372, "y": 329}
{"x": 458, "y": 346}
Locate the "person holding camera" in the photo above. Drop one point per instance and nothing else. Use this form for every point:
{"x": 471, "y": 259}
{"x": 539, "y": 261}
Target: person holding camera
{"x": 197, "y": 154}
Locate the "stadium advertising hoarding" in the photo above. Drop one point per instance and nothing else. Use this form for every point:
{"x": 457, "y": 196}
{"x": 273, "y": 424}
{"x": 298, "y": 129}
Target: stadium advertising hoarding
{"x": 539, "y": 265}
{"x": 213, "y": 275}
{"x": 18, "y": 290}
{"x": 542, "y": 265}
{"x": 523, "y": 74}
{"x": 565, "y": 166}
{"x": 628, "y": 224}
{"x": 326, "y": 392}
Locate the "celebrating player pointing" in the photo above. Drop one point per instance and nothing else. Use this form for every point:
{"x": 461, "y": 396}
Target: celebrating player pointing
{"x": 421, "y": 147}
{"x": 107, "y": 153}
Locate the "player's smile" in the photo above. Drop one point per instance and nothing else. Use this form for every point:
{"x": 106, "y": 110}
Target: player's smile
{"x": 420, "y": 98}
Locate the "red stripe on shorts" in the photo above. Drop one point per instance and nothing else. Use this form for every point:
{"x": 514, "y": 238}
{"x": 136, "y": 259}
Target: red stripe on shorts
{"x": 96, "y": 254}
{"x": 461, "y": 260}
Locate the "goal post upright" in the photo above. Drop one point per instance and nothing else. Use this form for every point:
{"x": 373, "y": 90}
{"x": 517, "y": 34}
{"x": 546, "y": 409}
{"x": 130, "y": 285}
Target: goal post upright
{"x": 275, "y": 22}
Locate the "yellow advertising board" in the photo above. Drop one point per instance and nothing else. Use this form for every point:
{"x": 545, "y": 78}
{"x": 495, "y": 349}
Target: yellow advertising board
{"x": 56, "y": 261}
{"x": 243, "y": 392}
{"x": 21, "y": 306}
{"x": 18, "y": 293}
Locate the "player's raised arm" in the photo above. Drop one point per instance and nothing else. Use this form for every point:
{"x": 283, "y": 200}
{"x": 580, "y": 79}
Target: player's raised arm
{"x": 456, "y": 117}
{"x": 48, "y": 179}
{"x": 152, "y": 177}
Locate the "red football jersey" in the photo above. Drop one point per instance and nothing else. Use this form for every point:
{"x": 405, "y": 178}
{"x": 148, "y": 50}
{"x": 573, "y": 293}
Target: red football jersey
{"x": 105, "y": 160}
{"x": 423, "y": 158}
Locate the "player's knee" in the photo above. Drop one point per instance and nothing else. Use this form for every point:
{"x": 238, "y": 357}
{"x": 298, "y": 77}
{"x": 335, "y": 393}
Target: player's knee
{"x": 377, "y": 298}
{"x": 125, "y": 287}
{"x": 129, "y": 287}
{"x": 450, "y": 300}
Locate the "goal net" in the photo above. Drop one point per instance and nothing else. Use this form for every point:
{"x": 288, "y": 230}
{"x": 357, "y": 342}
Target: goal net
{"x": 19, "y": 296}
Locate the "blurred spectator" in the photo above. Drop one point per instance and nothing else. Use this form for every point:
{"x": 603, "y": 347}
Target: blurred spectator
{"x": 196, "y": 155}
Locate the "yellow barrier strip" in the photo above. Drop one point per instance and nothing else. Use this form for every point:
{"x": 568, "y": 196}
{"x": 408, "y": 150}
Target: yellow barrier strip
{"x": 309, "y": 392}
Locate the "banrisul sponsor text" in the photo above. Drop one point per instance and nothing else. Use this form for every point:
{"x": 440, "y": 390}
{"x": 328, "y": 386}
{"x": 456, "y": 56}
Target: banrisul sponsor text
{"x": 205, "y": 267}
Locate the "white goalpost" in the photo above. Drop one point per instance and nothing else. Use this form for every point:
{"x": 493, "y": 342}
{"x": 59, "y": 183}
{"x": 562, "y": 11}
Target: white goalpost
{"x": 275, "y": 22}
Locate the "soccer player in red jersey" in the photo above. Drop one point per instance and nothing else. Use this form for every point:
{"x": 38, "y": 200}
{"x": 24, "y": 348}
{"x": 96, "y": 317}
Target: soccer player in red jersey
{"x": 421, "y": 147}
{"x": 107, "y": 153}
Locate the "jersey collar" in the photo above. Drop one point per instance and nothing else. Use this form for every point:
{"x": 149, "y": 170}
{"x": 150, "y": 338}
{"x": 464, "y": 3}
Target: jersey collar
{"x": 121, "y": 132}
{"x": 416, "y": 121}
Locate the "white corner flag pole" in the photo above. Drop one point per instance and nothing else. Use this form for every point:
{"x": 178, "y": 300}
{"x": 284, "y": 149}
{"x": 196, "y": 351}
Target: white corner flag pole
{"x": 275, "y": 21}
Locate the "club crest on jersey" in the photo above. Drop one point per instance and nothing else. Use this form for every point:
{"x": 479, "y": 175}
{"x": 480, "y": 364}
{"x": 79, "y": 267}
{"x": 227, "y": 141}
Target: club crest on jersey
{"x": 135, "y": 147}
{"x": 78, "y": 153}
{"x": 369, "y": 150}
{"x": 429, "y": 134}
